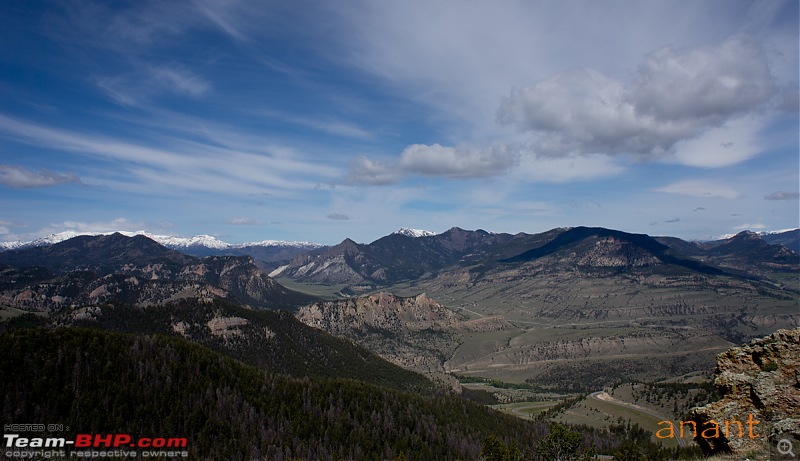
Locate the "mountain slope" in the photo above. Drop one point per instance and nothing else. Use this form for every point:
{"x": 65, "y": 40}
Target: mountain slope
{"x": 133, "y": 270}
{"x": 270, "y": 340}
{"x": 747, "y": 254}
{"x": 95, "y": 382}
{"x": 398, "y": 257}
{"x": 747, "y": 250}
{"x": 790, "y": 239}
{"x": 102, "y": 254}
{"x": 599, "y": 247}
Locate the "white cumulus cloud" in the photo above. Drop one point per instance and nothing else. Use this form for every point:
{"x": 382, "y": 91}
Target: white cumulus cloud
{"x": 675, "y": 95}
{"x": 457, "y": 162}
{"x": 436, "y": 160}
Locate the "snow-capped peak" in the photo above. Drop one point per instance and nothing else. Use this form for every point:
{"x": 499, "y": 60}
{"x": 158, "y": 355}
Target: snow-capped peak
{"x": 759, "y": 233}
{"x": 11, "y": 245}
{"x": 779, "y": 231}
{"x": 169, "y": 241}
{"x": 44, "y": 241}
{"x": 280, "y": 243}
{"x": 414, "y": 232}
{"x": 57, "y": 238}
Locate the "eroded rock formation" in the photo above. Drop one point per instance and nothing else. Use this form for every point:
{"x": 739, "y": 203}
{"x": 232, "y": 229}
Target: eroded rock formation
{"x": 761, "y": 386}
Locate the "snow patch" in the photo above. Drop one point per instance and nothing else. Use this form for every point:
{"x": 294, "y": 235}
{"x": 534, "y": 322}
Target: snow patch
{"x": 414, "y": 232}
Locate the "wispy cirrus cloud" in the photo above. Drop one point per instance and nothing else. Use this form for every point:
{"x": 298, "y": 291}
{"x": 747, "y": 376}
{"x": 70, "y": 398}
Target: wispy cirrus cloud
{"x": 141, "y": 25}
{"x": 330, "y": 125}
{"x": 699, "y": 188}
{"x": 178, "y": 161}
{"x": 243, "y": 222}
{"x": 136, "y": 87}
{"x": 18, "y": 177}
{"x": 757, "y": 226}
{"x": 131, "y": 50}
{"x": 216, "y": 107}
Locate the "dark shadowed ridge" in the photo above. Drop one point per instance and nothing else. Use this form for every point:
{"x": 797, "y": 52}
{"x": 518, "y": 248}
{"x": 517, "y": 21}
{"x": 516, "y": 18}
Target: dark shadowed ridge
{"x": 789, "y": 239}
{"x": 397, "y": 257}
{"x": 579, "y": 234}
{"x": 746, "y": 254}
{"x": 751, "y": 245}
{"x": 102, "y": 254}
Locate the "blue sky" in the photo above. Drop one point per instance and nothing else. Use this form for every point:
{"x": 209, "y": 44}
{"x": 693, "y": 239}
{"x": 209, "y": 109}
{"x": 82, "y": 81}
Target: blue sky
{"x": 318, "y": 121}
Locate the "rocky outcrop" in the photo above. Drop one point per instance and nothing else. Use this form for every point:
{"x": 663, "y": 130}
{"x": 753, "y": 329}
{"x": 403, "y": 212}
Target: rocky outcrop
{"x": 416, "y": 332}
{"x": 761, "y": 386}
{"x": 236, "y": 279}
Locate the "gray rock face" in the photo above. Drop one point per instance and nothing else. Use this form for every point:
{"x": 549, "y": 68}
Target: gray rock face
{"x": 416, "y": 332}
{"x": 761, "y": 383}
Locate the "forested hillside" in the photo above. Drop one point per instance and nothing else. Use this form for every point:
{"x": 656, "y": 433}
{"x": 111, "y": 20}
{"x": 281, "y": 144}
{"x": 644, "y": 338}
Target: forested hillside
{"x": 99, "y": 382}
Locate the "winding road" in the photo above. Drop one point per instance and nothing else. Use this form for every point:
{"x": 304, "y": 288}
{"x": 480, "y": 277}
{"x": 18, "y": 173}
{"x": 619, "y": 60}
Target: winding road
{"x": 604, "y": 396}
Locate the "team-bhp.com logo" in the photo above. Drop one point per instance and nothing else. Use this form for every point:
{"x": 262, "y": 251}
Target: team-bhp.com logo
{"x": 90, "y": 446}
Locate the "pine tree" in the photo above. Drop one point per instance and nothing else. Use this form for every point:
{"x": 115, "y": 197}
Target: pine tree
{"x": 562, "y": 444}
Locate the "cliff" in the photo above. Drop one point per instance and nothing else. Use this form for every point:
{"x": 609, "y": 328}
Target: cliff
{"x": 760, "y": 382}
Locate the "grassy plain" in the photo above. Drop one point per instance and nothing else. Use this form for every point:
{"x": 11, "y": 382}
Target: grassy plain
{"x": 600, "y": 414}
{"x": 7, "y": 312}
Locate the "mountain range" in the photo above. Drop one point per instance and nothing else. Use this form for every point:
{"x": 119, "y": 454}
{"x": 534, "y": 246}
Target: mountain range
{"x": 198, "y": 245}
{"x": 91, "y": 270}
{"x": 135, "y": 285}
{"x": 398, "y": 257}
{"x": 547, "y": 308}
{"x": 557, "y": 306}
{"x": 279, "y": 250}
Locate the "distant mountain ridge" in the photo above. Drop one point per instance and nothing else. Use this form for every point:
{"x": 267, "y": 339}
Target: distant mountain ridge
{"x": 102, "y": 254}
{"x": 401, "y": 256}
{"x": 89, "y": 270}
{"x": 198, "y": 245}
{"x": 615, "y": 249}
{"x": 745, "y": 253}
{"x": 789, "y": 238}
